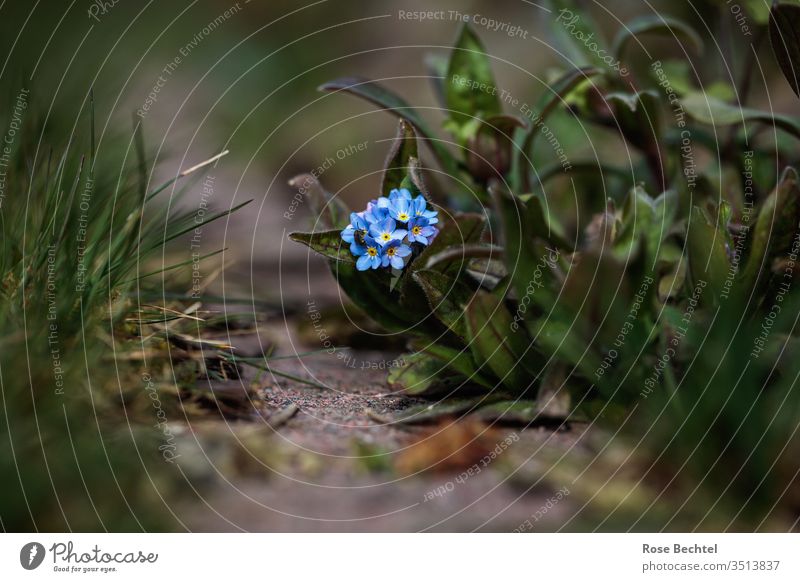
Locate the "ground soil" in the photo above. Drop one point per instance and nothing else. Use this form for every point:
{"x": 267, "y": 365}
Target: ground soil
{"x": 334, "y": 465}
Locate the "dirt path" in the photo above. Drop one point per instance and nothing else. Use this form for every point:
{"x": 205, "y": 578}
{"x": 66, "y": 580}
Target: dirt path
{"x": 334, "y": 466}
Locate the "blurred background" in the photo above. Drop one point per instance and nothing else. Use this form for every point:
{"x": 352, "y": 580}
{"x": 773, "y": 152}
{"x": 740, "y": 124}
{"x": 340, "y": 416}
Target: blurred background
{"x": 211, "y": 75}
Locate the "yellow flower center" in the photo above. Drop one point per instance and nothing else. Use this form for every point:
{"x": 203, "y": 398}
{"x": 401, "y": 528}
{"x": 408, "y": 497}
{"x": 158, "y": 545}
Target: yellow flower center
{"x": 372, "y": 252}
{"x": 416, "y": 230}
{"x": 391, "y": 251}
{"x": 403, "y": 217}
{"x": 386, "y": 236}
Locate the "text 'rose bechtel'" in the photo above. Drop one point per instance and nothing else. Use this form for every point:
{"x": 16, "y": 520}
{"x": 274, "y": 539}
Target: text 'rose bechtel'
{"x": 377, "y": 235}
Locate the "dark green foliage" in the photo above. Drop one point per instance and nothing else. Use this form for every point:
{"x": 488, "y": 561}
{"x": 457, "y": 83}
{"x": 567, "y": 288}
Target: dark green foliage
{"x": 656, "y": 298}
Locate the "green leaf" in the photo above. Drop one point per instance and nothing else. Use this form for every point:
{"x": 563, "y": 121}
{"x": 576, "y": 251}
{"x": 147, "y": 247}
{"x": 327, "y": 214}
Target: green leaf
{"x": 370, "y": 291}
{"x": 524, "y": 413}
{"x": 715, "y": 112}
{"x": 327, "y": 243}
{"x": 421, "y": 374}
{"x": 460, "y": 361}
{"x": 488, "y": 409}
{"x": 679, "y": 74}
{"x": 570, "y": 28}
{"x": 384, "y": 98}
{"x": 638, "y": 223}
{"x": 447, "y": 298}
{"x": 544, "y": 225}
{"x": 494, "y": 342}
{"x": 775, "y": 228}
{"x": 784, "y": 35}
{"x": 435, "y": 411}
{"x": 638, "y": 115}
{"x": 489, "y": 150}
{"x": 468, "y": 251}
{"x": 463, "y": 229}
{"x": 404, "y": 150}
{"x": 522, "y": 257}
{"x": 658, "y": 24}
{"x": 561, "y": 339}
{"x": 555, "y": 95}
{"x": 328, "y": 211}
{"x": 471, "y": 90}
{"x": 672, "y": 283}
{"x": 454, "y": 231}
{"x": 708, "y": 260}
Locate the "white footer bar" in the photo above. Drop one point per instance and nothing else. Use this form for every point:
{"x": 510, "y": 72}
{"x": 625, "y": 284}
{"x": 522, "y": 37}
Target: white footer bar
{"x": 400, "y": 557}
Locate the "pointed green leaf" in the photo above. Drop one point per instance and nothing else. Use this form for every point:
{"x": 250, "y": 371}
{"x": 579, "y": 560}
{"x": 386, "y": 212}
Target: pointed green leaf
{"x": 470, "y": 89}
{"x": 454, "y": 231}
{"x": 462, "y": 229}
{"x": 404, "y": 149}
{"x": 561, "y": 339}
{"x": 784, "y": 35}
{"x": 490, "y": 149}
{"x": 638, "y": 115}
{"x": 708, "y": 259}
{"x": 706, "y": 109}
{"x": 638, "y": 223}
{"x": 371, "y": 292}
{"x": 544, "y": 225}
{"x": 555, "y": 95}
{"x": 497, "y": 344}
{"x": 464, "y": 252}
{"x": 327, "y": 243}
{"x": 526, "y": 262}
{"x": 435, "y": 411}
{"x": 775, "y": 228}
{"x": 384, "y": 98}
{"x": 421, "y": 374}
{"x": 461, "y": 361}
{"x": 659, "y": 24}
{"x": 524, "y": 413}
{"x": 447, "y": 298}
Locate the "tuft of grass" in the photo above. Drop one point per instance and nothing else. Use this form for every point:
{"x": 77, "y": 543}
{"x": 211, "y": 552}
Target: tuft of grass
{"x": 77, "y": 240}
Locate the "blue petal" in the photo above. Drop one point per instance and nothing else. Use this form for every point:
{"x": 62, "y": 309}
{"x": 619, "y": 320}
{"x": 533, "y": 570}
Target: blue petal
{"x": 397, "y": 262}
{"x": 399, "y": 234}
{"x": 363, "y": 263}
{"x": 357, "y": 250}
{"x": 432, "y": 216}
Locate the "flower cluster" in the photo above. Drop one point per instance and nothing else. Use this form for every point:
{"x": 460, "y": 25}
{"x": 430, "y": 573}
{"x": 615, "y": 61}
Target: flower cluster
{"x": 382, "y": 234}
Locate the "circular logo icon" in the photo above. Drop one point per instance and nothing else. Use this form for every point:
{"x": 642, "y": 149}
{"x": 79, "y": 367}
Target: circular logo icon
{"x": 31, "y": 555}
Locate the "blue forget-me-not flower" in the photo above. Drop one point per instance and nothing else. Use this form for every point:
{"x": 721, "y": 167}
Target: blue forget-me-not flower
{"x": 389, "y": 230}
